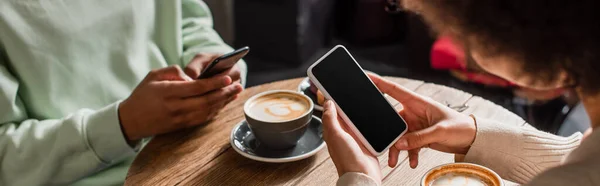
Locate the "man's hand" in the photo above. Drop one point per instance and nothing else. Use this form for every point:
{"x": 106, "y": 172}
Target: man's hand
{"x": 202, "y": 60}
{"x": 167, "y": 100}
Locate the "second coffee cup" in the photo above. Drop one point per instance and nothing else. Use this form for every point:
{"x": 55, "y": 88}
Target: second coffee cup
{"x": 278, "y": 118}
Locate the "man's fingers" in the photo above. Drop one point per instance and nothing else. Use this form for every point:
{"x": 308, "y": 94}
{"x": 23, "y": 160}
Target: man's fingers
{"x": 203, "y": 108}
{"x": 210, "y": 112}
{"x": 234, "y": 73}
{"x": 396, "y": 91}
{"x": 233, "y": 97}
{"x": 171, "y": 73}
{"x": 193, "y": 69}
{"x": 183, "y": 89}
{"x": 223, "y": 94}
{"x": 413, "y": 157}
{"x": 211, "y": 99}
{"x": 417, "y": 139}
{"x": 198, "y": 63}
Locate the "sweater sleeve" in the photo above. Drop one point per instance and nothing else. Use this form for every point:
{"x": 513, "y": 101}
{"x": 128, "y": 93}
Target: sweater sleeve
{"x": 518, "y": 153}
{"x": 199, "y": 35}
{"x": 582, "y": 173}
{"x": 54, "y": 151}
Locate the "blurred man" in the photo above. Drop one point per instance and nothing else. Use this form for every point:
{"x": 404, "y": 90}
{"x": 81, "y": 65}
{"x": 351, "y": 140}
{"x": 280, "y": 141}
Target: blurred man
{"x": 83, "y": 82}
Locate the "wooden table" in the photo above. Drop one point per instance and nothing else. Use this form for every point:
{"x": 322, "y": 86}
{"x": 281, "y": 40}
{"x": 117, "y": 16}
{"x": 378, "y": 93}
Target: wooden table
{"x": 203, "y": 156}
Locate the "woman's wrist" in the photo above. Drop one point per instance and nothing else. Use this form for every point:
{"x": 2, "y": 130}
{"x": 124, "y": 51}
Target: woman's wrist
{"x": 472, "y": 123}
{"x": 465, "y": 130}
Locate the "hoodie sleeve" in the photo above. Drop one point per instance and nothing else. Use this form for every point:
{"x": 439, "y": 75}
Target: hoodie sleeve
{"x": 54, "y": 151}
{"x": 199, "y": 36}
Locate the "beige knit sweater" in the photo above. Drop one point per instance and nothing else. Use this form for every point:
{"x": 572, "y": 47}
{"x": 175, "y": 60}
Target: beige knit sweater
{"x": 526, "y": 156}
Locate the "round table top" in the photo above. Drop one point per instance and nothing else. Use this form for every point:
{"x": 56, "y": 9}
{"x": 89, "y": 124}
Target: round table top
{"x": 203, "y": 155}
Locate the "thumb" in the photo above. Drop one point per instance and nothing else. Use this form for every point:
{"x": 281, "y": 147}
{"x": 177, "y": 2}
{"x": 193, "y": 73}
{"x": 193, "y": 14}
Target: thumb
{"x": 197, "y": 64}
{"x": 330, "y": 122}
{"x": 194, "y": 68}
{"x": 417, "y": 139}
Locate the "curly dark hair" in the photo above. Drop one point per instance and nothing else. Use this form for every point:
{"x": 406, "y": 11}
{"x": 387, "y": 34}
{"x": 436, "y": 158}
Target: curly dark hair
{"x": 543, "y": 36}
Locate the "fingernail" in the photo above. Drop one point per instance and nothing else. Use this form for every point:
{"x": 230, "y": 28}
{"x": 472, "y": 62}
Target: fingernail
{"x": 402, "y": 144}
{"x": 226, "y": 80}
{"x": 186, "y": 78}
{"x": 392, "y": 164}
{"x": 239, "y": 88}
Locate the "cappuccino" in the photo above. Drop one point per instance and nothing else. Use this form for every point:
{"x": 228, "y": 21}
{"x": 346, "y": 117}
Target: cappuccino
{"x": 461, "y": 174}
{"x": 278, "y": 107}
{"x": 460, "y": 179}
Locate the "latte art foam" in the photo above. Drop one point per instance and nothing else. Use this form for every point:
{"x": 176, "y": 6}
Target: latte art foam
{"x": 279, "y": 107}
{"x": 453, "y": 179}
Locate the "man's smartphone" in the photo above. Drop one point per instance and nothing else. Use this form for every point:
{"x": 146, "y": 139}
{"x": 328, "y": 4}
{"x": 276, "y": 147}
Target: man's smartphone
{"x": 359, "y": 102}
{"x": 224, "y": 62}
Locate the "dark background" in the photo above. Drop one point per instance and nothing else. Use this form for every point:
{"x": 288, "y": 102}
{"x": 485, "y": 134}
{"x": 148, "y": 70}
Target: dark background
{"x": 286, "y": 36}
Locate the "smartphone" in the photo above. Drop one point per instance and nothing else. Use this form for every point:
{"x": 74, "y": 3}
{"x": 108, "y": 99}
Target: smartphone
{"x": 224, "y": 62}
{"x": 359, "y": 102}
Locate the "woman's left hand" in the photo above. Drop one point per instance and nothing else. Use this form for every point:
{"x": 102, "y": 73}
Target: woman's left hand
{"x": 347, "y": 154}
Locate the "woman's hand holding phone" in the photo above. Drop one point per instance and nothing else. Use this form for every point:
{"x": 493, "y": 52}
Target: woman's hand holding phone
{"x": 346, "y": 152}
{"x": 430, "y": 124}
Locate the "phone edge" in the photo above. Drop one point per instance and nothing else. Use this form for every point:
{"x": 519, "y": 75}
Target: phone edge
{"x": 341, "y": 112}
{"x": 245, "y": 49}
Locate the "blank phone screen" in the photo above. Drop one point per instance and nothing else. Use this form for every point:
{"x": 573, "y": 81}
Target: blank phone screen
{"x": 359, "y": 99}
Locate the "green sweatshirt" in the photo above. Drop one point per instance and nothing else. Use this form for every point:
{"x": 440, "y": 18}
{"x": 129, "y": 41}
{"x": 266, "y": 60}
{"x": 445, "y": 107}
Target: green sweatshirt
{"x": 64, "y": 67}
